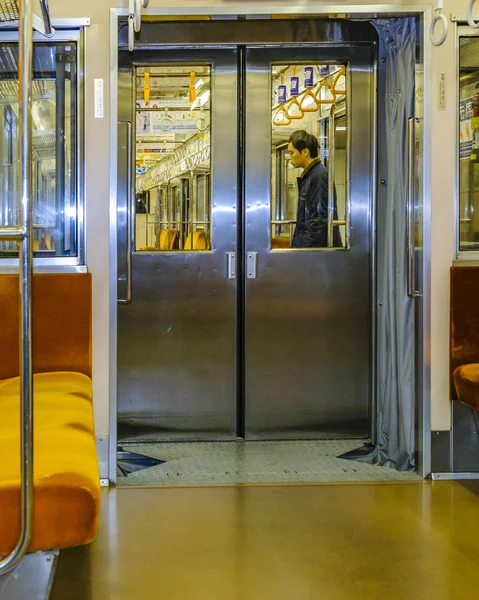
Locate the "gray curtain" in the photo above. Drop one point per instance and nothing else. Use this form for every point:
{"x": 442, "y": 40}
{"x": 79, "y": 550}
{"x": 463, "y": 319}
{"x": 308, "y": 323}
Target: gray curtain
{"x": 395, "y": 342}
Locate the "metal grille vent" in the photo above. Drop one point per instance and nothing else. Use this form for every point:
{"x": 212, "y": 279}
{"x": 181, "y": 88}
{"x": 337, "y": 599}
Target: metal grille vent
{"x": 8, "y": 10}
{"x": 44, "y": 144}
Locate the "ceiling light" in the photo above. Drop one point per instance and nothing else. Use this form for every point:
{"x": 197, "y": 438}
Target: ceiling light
{"x": 201, "y": 100}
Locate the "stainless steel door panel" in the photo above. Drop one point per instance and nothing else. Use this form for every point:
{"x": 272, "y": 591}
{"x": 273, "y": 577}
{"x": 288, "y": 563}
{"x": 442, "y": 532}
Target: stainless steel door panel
{"x": 308, "y": 325}
{"x": 177, "y": 337}
{"x": 177, "y": 350}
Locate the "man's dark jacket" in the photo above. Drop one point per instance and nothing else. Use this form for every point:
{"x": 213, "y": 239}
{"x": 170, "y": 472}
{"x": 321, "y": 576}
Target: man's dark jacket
{"x": 312, "y": 219}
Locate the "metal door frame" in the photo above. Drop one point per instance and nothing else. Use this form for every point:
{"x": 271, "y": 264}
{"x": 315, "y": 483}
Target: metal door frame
{"x": 359, "y": 12}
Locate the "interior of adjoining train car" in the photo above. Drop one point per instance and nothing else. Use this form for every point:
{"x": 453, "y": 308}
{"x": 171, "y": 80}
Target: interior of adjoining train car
{"x": 173, "y": 145}
{"x": 173, "y": 197}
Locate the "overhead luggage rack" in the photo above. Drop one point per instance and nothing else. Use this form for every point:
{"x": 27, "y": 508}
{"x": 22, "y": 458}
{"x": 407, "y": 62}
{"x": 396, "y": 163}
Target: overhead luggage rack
{"x": 10, "y": 14}
{"x": 8, "y": 10}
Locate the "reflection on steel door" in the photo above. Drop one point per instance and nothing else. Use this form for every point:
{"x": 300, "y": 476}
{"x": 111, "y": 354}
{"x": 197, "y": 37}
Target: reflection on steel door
{"x": 177, "y": 244}
{"x": 308, "y": 291}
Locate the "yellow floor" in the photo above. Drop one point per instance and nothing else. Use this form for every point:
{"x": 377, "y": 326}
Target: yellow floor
{"x": 402, "y": 541}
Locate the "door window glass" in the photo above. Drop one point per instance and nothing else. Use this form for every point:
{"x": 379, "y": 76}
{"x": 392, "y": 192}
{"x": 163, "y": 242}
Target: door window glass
{"x": 173, "y": 132}
{"x": 310, "y": 199}
{"x": 469, "y": 144}
{"x": 55, "y": 158}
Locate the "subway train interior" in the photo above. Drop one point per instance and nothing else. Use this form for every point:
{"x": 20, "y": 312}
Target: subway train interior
{"x": 239, "y": 258}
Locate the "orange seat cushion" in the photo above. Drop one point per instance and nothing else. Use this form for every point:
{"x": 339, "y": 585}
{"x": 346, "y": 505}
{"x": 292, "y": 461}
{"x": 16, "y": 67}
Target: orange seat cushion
{"x": 466, "y": 382}
{"x": 66, "y": 475}
{"x": 280, "y": 242}
{"x": 169, "y": 239}
{"x": 197, "y": 241}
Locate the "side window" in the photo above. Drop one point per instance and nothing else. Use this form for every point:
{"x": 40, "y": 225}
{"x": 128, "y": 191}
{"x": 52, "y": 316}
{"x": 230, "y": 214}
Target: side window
{"x": 468, "y": 225}
{"x": 56, "y": 201}
{"x": 172, "y": 190}
{"x": 310, "y": 202}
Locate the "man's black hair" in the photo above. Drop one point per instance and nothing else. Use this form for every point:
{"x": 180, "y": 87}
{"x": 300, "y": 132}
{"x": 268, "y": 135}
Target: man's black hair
{"x": 301, "y": 139}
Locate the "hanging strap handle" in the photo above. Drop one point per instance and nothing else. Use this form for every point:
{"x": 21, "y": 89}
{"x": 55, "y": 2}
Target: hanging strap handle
{"x": 439, "y": 5}
{"x": 308, "y": 94}
{"x": 325, "y": 84}
{"x": 134, "y": 20}
{"x": 470, "y": 19}
{"x": 281, "y": 117}
{"x": 294, "y": 102}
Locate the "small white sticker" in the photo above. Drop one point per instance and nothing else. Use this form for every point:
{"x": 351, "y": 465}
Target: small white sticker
{"x": 441, "y": 91}
{"x": 98, "y": 98}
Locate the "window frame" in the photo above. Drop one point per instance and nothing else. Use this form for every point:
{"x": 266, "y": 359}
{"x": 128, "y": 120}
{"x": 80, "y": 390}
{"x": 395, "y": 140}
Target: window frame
{"x": 462, "y": 31}
{"x": 63, "y": 263}
{"x": 344, "y": 111}
{"x": 173, "y": 64}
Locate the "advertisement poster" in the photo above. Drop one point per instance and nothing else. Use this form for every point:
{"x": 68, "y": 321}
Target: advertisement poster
{"x": 161, "y": 122}
{"x": 465, "y": 129}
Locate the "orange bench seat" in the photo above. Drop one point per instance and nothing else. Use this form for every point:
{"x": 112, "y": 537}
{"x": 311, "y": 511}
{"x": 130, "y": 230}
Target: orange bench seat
{"x": 466, "y": 383}
{"x": 66, "y": 475}
{"x": 464, "y": 336}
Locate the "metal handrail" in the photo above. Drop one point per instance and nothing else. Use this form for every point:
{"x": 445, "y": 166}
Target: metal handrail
{"x": 411, "y": 148}
{"x": 47, "y": 21}
{"x": 22, "y": 234}
{"x": 331, "y": 169}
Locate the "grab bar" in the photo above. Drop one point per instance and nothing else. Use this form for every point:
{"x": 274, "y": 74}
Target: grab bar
{"x": 331, "y": 170}
{"x": 411, "y": 148}
{"x": 129, "y": 212}
{"x": 22, "y": 234}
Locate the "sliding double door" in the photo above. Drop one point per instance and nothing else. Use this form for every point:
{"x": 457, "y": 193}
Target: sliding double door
{"x": 228, "y": 325}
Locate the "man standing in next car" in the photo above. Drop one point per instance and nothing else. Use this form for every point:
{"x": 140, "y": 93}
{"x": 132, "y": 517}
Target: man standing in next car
{"x": 312, "y": 217}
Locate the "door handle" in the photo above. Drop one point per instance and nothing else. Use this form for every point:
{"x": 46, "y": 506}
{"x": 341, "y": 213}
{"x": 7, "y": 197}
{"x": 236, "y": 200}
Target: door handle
{"x": 128, "y": 210}
{"x": 231, "y": 265}
{"x": 252, "y": 265}
{"x": 411, "y": 152}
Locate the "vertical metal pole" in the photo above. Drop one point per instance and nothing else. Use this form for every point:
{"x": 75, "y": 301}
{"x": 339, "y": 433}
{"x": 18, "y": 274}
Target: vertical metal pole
{"x": 194, "y": 212}
{"x": 208, "y": 200}
{"x": 4, "y": 171}
{"x": 331, "y": 170}
{"x": 279, "y": 184}
{"x": 26, "y": 262}
{"x": 25, "y": 45}
{"x": 205, "y": 200}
